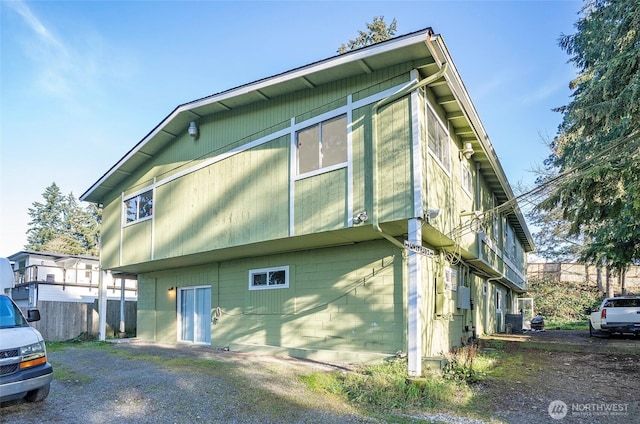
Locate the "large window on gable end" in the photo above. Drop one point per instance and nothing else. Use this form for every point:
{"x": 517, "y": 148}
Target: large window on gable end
{"x": 269, "y": 278}
{"x": 138, "y": 207}
{"x": 438, "y": 139}
{"x": 322, "y": 145}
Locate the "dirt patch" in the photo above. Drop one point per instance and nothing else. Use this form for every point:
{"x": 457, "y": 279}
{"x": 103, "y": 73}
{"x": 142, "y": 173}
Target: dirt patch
{"x": 591, "y": 380}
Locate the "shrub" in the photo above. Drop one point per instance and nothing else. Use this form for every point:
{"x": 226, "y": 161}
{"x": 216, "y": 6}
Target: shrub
{"x": 563, "y": 301}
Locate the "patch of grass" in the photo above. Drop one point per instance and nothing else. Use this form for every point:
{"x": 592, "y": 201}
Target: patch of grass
{"x": 68, "y": 375}
{"x": 385, "y": 389}
{"x": 492, "y": 344}
{"x": 199, "y": 366}
{"x": 59, "y": 346}
{"x": 568, "y": 325}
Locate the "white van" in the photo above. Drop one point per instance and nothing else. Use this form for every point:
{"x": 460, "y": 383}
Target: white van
{"x": 24, "y": 370}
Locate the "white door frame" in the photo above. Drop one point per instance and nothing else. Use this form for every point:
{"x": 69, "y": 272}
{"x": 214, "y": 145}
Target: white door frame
{"x": 201, "y": 333}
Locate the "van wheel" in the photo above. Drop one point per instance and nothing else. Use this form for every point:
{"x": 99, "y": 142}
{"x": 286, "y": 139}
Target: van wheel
{"x": 38, "y": 395}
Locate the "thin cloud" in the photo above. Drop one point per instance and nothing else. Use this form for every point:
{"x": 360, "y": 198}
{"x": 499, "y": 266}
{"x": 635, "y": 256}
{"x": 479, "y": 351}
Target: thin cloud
{"x": 67, "y": 71}
{"x": 51, "y": 55}
{"x": 544, "y": 91}
{"x": 490, "y": 86}
{"x": 35, "y": 24}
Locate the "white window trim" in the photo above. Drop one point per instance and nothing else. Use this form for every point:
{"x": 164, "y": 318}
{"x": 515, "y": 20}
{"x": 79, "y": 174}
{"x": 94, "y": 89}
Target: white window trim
{"x": 125, "y": 199}
{"x": 465, "y": 166}
{"x": 433, "y": 154}
{"x": 495, "y": 219}
{"x": 253, "y": 272}
{"x": 322, "y": 169}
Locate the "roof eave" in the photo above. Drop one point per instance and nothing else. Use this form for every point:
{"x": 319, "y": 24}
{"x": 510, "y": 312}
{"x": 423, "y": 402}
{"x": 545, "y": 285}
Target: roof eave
{"x": 441, "y": 53}
{"x": 297, "y": 74}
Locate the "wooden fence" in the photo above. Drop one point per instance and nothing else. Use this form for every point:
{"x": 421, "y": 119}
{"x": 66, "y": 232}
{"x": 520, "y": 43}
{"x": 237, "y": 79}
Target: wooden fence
{"x": 68, "y": 320}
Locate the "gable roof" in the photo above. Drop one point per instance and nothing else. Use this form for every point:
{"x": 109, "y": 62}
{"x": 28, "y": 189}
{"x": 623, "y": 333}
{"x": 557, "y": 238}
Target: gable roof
{"x": 450, "y": 94}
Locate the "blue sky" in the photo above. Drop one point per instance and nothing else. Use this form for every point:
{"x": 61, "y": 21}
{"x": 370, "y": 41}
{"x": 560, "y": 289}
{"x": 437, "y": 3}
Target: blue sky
{"x": 81, "y": 82}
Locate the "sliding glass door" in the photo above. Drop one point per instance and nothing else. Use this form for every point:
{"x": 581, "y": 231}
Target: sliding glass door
{"x": 194, "y": 314}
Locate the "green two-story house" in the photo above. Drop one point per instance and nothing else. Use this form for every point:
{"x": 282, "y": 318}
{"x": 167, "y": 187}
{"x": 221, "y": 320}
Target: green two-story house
{"x": 346, "y": 210}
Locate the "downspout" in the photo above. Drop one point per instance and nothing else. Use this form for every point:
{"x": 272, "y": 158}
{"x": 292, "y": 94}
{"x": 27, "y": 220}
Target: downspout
{"x": 375, "y": 219}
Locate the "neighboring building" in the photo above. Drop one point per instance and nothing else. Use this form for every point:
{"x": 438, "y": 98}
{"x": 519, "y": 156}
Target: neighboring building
{"x": 588, "y": 274}
{"x": 65, "y": 289}
{"x": 348, "y": 210}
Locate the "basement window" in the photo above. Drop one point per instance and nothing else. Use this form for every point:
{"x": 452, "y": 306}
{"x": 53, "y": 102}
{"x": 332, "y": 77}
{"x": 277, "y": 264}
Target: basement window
{"x": 269, "y": 278}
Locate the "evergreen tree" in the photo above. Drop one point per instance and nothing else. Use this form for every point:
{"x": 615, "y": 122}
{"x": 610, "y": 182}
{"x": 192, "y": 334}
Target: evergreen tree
{"x": 598, "y": 143}
{"x": 377, "y": 32}
{"x": 46, "y": 219}
{"x": 61, "y": 225}
{"x": 89, "y": 234}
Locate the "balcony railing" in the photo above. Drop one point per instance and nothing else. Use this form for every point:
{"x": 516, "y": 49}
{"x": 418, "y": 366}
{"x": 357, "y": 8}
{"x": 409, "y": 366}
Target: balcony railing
{"x": 56, "y": 275}
{"x": 493, "y": 256}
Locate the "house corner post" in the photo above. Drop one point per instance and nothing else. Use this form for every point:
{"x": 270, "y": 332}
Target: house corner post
{"x": 122, "y": 307}
{"x": 414, "y": 307}
{"x": 102, "y": 305}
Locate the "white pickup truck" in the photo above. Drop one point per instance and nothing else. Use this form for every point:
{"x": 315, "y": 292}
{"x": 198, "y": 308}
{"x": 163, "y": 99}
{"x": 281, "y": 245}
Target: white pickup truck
{"x": 616, "y": 315}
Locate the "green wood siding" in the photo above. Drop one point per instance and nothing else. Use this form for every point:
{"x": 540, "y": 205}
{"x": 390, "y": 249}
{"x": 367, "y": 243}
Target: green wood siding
{"x": 321, "y": 202}
{"x": 244, "y": 198}
{"x": 110, "y": 233}
{"x": 443, "y": 187}
{"x": 343, "y": 298}
{"x": 146, "y": 308}
{"x": 394, "y": 161}
{"x": 361, "y": 155}
{"x": 225, "y": 204}
{"x": 136, "y": 246}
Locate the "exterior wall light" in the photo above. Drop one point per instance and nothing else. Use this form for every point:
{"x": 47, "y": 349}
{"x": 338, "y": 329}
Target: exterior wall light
{"x": 361, "y": 217}
{"x": 171, "y": 289}
{"x": 432, "y": 214}
{"x": 467, "y": 152}
{"x": 193, "y": 129}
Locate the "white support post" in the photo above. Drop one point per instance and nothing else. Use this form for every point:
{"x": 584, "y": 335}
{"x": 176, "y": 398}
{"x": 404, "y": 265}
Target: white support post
{"x": 102, "y": 306}
{"x": 122, "y": 306}
{"x": 415, "y": 260}
{"x": 415, "y": 316}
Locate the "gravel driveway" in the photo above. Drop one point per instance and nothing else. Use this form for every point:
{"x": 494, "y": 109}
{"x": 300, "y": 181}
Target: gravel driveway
{"x": 151, "y": 383}
{"x": 128, "y": 383}
{"x": 595, "y": 379}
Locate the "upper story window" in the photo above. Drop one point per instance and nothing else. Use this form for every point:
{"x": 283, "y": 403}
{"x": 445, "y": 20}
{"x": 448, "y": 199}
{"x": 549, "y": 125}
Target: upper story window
{"x": 466, "y": 177}
{"x": 139, "y": 207}
{"x": 495, "y": 219}
{"x": 510, "y": 244}
{"x": 269, "y": 278}
{"x": 438, "y": 139}
{"x": 322, "y": 145}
